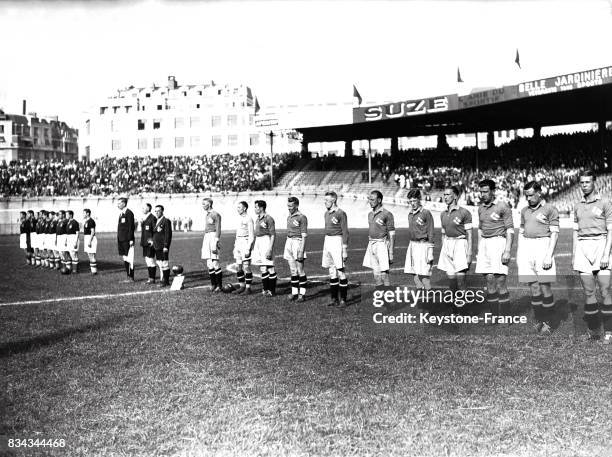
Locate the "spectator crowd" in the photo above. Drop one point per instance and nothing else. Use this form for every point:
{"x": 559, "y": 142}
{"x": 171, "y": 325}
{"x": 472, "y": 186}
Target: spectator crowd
{"x": 135, "y": 175}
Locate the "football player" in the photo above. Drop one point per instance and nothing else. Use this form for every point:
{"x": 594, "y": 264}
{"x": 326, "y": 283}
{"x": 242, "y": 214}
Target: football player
{"x": 381, "y": 240}
{"x": 335, "y": 249}
{"x": 24, "y": 235}
{"x": 61, "y": 251}
{"x": 456, "y": 253}
{"x": 162, "y": 238}
{"x": 419, "y": 254}
{"x": 211, "y": 246}
{"x": 147, "y": 227}
{"x": 72, "y": 243}
{"x": 90, "y": 241}
{"x": 263, "y": 249}
{"x": 297, "y": 231}
{"x": 54, "y": 259}
{"x": 495, "y": 234}
{"x": 125, "y": 237}
{"x": 538, "y": 235}
{"x": 592, "y": 242}
{"x": 243, "y": 246}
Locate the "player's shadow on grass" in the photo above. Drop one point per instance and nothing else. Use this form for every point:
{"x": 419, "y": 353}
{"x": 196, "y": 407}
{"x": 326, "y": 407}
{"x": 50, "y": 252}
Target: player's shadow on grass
{"x": 105, "y": 266}
{"x": 19, "y": 347}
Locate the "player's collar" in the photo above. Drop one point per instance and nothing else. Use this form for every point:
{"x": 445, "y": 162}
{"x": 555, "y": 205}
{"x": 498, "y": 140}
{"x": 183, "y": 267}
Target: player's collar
{"x": 261, "y": 216}
{"x": 332, "y": 210}
{"x": 592, "y": 198}
{"x": 378, "y": 210}
{"x": 297, "y": 213}
{"x": 491, "y": 203}
{"x": 540, "y": 204}
{"x": 452, "y": 207}
{"x": 417, "y": 211}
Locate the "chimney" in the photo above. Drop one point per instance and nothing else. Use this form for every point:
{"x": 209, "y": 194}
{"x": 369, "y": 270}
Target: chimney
{"x": 23, "y": 110}
{"x": 172, "y": 84}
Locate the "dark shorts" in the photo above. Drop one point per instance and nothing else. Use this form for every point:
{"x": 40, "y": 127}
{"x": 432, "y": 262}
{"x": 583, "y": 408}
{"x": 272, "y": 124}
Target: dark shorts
{"x": 148, "y": 251}
{"x": 123, "y": 247}
{"x": 161, "y": 255}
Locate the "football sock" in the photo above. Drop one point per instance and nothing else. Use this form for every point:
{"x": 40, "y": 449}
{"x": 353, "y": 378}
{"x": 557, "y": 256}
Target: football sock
{"x": 302, "y": 284}
{"x": 606, "y": 316}
{"x": 272, "y": 282}
{"x": 343, "y": 288}
{"x": 248, "y": 279}
{"x": 295, "y": 284}
{"x": 333, "y": 288}
{"x": 219, "y": 274}
{"x": 548, "y": 308}
{"x": 591, "y": 315}
{"x": 265, "y": 280}
{"x": 536, "y": 306}
{"x": 213, "y": 277}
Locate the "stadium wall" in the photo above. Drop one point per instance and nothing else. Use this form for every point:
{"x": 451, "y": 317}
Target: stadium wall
{"x": 104, "y": 209}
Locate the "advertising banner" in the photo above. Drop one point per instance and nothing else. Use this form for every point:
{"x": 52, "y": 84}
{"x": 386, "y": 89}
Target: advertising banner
{"x": 565, "y": 82}
{"x": 405, "y": 108}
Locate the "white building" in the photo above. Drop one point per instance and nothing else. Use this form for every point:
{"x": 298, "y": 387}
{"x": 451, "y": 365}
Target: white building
{"x": 194, "y": 119}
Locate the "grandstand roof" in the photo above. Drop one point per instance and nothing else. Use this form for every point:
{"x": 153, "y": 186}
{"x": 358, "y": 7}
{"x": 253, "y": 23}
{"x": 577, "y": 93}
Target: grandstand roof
{"x": 576, "y": 106}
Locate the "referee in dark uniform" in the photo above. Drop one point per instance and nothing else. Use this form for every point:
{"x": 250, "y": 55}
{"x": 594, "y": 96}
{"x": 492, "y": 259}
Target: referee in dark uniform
{"x": 162, "y": 237}
{"x": 146, "y": 241}
{"x": 125, "y": 236}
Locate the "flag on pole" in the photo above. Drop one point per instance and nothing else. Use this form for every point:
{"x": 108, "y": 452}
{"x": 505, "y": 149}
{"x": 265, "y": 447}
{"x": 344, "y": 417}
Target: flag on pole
{"x": 357, "y": 95}
{"x": 517, "y": 59}
{"x": 257, "y": 108}
{"x": 459, "y": 80}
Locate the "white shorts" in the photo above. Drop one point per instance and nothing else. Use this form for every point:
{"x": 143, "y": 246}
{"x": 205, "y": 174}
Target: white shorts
{"x": 50, "y": 241}
{"x": 94, "y": 244}
{"x": 60, "y": 243}
{"x": 489, "y": 258}
{"x": 588, "y": 254}
{"x": 241, "y": 248}
{"x": 453, "y": 255}
{"x": 416, "y": 259}
{"x": 208, "y": 246}
{"x": 260, "y": 249}
{"x": 72, "y": 242}
{"x": 23, "y": 241}
{"x": 34, "y": 240}
{"x": 332, "y": 252}
{"x": 292, "y": 247}
{"x": 530, "y": 258}
{"x": 377, "y": 255}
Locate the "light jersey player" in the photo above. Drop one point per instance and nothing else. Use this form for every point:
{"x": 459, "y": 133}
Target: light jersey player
{"x": 495, "y": 234}
{"x": 591, "y": 255}
{"x": 335, "y": 249}
{"x": 456, "y": 253}
{"x": 243, "y": 246}
{"x": 381, "y": 240}
{"x": 538, "y": 235}
{"x": 419, "y": 254}
{"x": 297, "y": 231}
{"x": 263, "y": 250}
{"x": 90, "y": 242}
{"x": 72, "y": 242}
{"x": 210, "y": 245}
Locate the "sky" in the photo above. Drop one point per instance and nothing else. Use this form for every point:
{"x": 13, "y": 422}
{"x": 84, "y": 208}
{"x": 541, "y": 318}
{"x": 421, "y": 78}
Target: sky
{"x": 66, "y": 56}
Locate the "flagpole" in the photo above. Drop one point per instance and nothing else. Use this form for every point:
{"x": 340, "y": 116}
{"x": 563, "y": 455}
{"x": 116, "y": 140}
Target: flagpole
{"x": 369, "y": 162}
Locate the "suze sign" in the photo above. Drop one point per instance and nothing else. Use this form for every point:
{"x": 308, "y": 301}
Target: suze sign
{"x": 405, "y": 109}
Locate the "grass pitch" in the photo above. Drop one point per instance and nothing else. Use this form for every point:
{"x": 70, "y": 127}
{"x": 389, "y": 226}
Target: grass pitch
{"x": 141, "y": 372}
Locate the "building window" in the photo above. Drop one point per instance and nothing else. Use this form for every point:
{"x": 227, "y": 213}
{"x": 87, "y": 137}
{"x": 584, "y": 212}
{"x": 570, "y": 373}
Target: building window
{"x": 148, "y": 95}
{"x": 184, "y": 94}
{"x": 1, "y": 128}
{"x": 102, "y": 109}
{"x": 197, "y": 105}
{"x": 194, "y": 141}
{"x": 251, "y": 119}
{"x": 88, "y": 127}
{"x": 179, "y": 122}
{"x": 194, "y": 122}
{"x": 141, "y": 124}
{"x": 179, "y": 142}
{"x": 216, "y": 141}
{"x": 232, "y": 120}
{"x": 36, "y": 131}
{"x": 142, "y": 143}
{"x": 116, "y": 145}
{"x": 232, "y": 140}
{"x": 216, "y": 121}
{"x": 157, "y": 143}
{"x": 254, "y": 140}
{"x": 159, "y": 107}
{"x": 87, "y": 148}
{"x": 46, "y": 132}
{"x": 114, "y": 127}
{"x": 199, "y": 92}
{"x": 115, "y": 108}
{"x": 35, "y": 141}
{"x": 127, "y": 109}
{"x": 156, "y": 124}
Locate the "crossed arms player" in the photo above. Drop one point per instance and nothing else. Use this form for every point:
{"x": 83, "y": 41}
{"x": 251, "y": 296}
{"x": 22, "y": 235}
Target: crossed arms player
{"x": 243, "y": 246}
{"x": 211, "y": 246}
